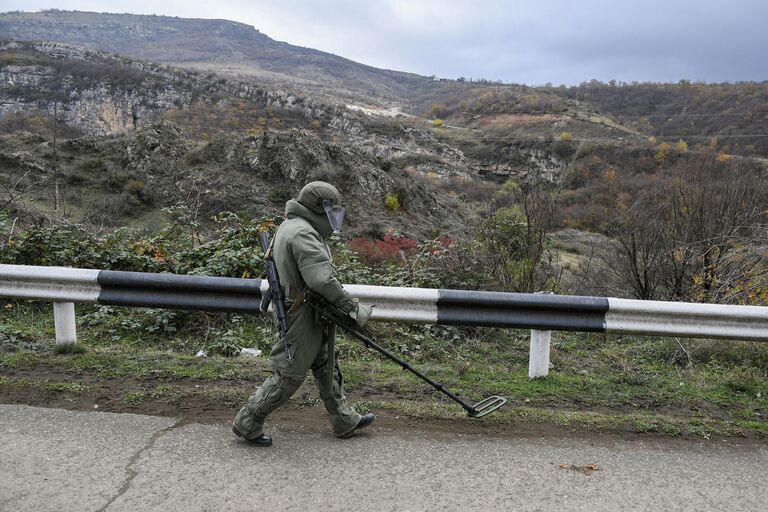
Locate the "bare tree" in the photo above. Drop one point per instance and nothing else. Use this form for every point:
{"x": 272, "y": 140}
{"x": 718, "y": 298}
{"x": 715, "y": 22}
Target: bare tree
{"x": 639, "y": 252}
{"x": 11, "y": 191}
{"x": 514, "y": 237}
{"x": 716, "y": 210}
{"x": 692, "y": 235}
{"x": 189, "y": 192}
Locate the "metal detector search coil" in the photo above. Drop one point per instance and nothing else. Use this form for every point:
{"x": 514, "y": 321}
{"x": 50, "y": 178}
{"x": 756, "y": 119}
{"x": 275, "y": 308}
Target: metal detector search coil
{"x": 487, "y": 406}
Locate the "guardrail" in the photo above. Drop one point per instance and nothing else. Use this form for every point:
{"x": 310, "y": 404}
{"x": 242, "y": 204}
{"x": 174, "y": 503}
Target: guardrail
{"x": 542, "y": 313}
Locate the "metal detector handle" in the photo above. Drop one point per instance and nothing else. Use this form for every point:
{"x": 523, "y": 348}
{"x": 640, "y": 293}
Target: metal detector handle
{"x": 333, "y": 314}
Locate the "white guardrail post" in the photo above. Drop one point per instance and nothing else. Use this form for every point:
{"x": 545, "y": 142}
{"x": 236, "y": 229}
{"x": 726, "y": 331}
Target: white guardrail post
{"x": 538, "y": 362}
{"x": 64, "y": 319}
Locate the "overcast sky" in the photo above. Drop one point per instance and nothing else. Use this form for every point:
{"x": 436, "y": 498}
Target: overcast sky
{"x": 531, "y": 41}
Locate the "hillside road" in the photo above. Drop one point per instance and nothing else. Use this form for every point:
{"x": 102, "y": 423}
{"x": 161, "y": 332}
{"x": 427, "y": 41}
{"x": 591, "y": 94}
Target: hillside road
{"x": 59, "y": 460}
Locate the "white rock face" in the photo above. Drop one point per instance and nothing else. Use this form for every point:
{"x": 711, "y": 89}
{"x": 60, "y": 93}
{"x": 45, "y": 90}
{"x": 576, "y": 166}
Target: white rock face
{"x": 110, "y": 105}
{"x": 527, "y": 162}
{"x": 71, "y": 78}
{"x": 29, "y": 76}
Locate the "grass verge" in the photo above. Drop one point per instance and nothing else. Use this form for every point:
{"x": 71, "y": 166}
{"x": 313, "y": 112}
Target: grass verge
{"x": 597, "y": 383}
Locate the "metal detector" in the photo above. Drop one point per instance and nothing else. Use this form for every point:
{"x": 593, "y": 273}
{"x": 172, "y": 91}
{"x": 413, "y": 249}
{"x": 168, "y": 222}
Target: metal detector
{"x": 331, "y": 313}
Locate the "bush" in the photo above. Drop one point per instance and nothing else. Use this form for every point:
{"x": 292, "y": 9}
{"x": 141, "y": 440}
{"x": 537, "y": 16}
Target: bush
{"x": 374, "y": 252}
{"x": 235, "y": 251}
{"x": 71, "y": 245}
{"x": 92, "y": 164}
{"x": 75, "y": 178}
{"x": 226, "y": 343}
{"x": 563, "y": 149}
{"x": 744, "y": 380}
{"x": 116, "y": 181}
{"x": 474, "y": 190}
{"x": 391, "y": 249}
{"x": 279, "y": 196}
{"x": 138, "y": 189}
{"x": 196, "y": 157}
{"x": 392, "y": 202}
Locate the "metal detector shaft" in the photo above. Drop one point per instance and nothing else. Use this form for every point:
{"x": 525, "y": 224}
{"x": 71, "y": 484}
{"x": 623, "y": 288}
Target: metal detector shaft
{"x": 333, "y": 314}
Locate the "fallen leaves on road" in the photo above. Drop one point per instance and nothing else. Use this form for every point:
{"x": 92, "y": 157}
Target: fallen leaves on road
{"x": 587, "y": 469}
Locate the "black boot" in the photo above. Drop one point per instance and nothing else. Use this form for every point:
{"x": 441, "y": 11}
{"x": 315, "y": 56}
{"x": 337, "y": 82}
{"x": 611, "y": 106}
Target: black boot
{"x": 262, "y": 440}
{"x": 366, "y": 420}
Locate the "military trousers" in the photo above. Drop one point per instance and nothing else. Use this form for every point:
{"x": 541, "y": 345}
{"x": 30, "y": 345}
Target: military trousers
{"x": 309, "y": 340}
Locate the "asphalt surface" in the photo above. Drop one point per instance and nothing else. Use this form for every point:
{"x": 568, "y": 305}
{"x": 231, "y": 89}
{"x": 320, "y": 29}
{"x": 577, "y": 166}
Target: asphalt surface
{"x": 61, "y": 460}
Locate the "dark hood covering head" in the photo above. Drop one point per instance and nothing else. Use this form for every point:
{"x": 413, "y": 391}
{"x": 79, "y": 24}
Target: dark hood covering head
{"x": 319, "y": 221}
{"x": 314, "y": 193}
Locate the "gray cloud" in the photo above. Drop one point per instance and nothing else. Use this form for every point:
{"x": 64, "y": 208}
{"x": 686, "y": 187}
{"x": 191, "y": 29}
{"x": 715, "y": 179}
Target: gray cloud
{"x": 527, "y": 42}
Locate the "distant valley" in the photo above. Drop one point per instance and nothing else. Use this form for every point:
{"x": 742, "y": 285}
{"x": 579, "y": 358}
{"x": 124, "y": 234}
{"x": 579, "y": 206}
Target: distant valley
{"x": 133, "y": 119}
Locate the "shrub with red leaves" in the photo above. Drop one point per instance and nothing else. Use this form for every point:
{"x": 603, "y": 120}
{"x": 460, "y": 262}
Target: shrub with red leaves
{"x": 402, "y": 243}
{"x": 392, "y": 249}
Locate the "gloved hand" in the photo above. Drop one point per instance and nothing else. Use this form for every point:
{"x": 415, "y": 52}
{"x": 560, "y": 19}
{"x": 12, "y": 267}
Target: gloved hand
{"x": 361, "y": 314}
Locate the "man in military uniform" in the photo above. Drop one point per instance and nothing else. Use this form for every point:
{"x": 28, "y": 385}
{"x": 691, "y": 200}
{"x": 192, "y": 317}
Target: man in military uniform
{"x": 303, "y": 260}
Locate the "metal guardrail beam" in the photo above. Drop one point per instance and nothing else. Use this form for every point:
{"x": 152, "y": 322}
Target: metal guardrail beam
{"x": 49, "y": 283}
{"x": 180, "y": 291}
{"x": 687, "y": 319}
{"x": 416, "y": 305}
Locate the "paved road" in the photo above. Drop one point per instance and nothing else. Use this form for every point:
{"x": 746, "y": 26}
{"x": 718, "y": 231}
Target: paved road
{"x": 63, "y": 460}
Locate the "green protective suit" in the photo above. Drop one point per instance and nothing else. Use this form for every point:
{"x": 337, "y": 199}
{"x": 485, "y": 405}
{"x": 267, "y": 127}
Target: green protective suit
{"x": 303, "y": 260}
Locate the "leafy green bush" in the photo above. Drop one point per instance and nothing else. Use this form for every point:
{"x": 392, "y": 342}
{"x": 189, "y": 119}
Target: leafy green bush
{"x": 349, "y": 268}
{"x": 226, "y": 343}
{"x": 392, "y": 202}
{"x": 72, "y": 245}
{"x": 235, "y": 251}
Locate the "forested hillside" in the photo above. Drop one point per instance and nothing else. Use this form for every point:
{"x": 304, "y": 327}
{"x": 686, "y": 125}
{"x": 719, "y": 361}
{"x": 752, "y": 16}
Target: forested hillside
{"x": 732, "y": 117}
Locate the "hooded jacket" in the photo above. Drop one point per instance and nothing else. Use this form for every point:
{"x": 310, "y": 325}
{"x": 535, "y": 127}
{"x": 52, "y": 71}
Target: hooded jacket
{"x": 303, "y": 258}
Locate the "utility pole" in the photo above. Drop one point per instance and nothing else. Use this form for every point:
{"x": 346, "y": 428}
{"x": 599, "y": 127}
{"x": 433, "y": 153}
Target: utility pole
{"x": 55, "y": 170}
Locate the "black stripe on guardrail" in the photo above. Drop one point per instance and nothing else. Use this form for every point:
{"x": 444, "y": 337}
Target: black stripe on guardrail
{"x": 118, "y": 279}
{"x": 529, "y": 311}
{"x": 144, "y": 289}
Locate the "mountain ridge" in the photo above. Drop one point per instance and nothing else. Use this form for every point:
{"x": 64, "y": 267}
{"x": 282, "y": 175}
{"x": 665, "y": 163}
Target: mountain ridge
{"x": 223, "y": 46}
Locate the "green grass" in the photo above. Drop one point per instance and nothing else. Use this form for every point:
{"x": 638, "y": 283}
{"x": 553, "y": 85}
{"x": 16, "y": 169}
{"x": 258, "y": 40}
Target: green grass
{"x": 364, "y": 406}
{"x": 156, "y": 365}
{"x": 18, "y": 359}
{"x": 70, "y": 348}
{"x": 70, "y": 388}
{"x": 603, "y": 381}
{"x": 65, "y": 387}
{"x": 174, "y": 394}
{"x": 598, "y": 382}
{"x": 134, "y": 398}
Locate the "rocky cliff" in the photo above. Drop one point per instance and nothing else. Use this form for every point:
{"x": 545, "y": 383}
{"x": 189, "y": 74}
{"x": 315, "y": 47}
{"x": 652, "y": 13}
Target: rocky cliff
{"x": 102, "y": 93}
{"x": 155, "y": 135}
